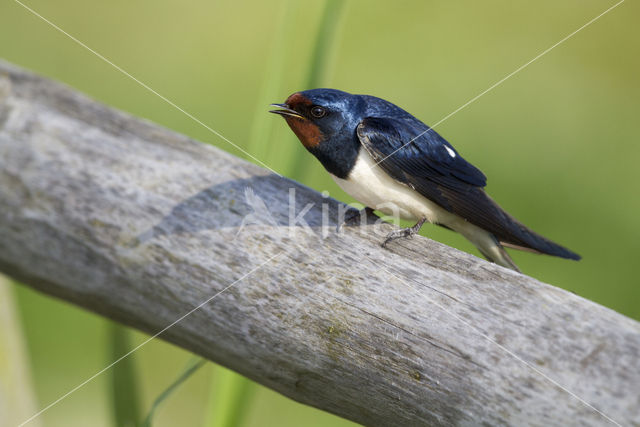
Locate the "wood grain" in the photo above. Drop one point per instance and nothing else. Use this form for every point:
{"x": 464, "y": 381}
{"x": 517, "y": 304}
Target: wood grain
{"x": 142, "y": 225}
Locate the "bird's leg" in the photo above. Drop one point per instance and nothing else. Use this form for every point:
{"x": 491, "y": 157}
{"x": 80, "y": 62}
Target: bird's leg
{"x": 404, "y": 232}
{"x": 352, "y": 214}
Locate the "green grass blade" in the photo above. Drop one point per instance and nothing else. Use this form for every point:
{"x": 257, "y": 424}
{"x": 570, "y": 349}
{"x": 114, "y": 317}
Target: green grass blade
{"x": 17, "y": 396}
{"x": 323, "y": 52}
{"x": 262, "y": 125}
{"x": 320, "y": 64}
{"x": 189, "y": 370}
{"x": 230, "y": 399}
{"x": 231, "y": 393}
{"x": 124, "y": 383}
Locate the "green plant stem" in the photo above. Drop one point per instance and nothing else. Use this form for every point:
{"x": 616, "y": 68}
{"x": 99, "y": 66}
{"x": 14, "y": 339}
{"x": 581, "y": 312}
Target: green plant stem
{"x": 192, "y": 366}
{"x": 17, "y": 395}
{"x": 262, "y": 125}
{"x": 321, "y": 63}
{"x": 230, "y": 392}
{"x": 124, "y": 390}
{"x": 231, "y": 395}
{"x": 322, "y": 54}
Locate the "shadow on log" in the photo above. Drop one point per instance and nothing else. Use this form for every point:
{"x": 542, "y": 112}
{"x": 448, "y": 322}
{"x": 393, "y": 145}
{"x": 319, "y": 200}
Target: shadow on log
{"x": 143, "y": 225}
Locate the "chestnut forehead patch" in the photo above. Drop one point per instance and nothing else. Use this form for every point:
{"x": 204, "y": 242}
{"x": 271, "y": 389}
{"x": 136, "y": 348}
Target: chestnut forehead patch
{"x": 298, "y": 99}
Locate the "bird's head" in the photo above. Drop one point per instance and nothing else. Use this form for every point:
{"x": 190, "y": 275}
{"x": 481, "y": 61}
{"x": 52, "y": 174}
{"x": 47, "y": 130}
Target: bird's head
{"x": 320, "y": 115}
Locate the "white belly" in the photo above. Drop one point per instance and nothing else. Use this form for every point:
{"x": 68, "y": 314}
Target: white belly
{"x": 370, "y": 185}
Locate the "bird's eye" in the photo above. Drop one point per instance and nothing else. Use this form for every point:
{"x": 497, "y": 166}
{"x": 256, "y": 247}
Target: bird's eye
{"x": 318, "y": 112}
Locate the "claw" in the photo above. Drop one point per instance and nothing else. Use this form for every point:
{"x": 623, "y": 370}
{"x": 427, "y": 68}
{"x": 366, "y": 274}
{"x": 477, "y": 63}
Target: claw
{"x": 404, "y": 232}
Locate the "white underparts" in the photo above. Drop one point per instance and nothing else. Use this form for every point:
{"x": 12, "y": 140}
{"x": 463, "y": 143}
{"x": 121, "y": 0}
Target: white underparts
{"x": 370, "y": 185}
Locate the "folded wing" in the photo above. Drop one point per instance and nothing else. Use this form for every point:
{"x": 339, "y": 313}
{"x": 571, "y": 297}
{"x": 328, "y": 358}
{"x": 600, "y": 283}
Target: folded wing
{"x": 419, "y": 157}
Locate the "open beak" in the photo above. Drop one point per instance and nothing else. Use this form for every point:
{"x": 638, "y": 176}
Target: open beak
{"x": 286, "y": 111}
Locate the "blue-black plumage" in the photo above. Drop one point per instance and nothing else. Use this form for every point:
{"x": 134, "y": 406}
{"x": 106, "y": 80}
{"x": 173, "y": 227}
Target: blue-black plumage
{"x": 389, "y": 160}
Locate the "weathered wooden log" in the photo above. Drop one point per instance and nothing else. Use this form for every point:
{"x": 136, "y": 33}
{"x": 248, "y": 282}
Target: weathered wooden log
{"x": 143, "y": 225}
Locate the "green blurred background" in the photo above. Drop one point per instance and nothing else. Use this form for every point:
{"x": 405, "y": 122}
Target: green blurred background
{"x": 557, "y": 140}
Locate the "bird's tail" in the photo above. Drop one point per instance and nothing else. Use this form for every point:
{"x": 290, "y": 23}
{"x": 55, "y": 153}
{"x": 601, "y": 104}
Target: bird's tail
{"x": 509, "y": 231}
{"x": 488, "y": 245}
{"x": 490, "y": 228}
{"x": 497, "y": 254}
{"x": 516, "y": 235}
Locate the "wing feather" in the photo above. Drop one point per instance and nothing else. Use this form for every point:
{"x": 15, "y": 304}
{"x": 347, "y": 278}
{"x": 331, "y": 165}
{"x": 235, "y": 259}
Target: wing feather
{"x": 431, "y": 166}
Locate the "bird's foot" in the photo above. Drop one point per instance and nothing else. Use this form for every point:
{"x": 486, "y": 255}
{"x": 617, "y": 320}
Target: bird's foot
{"x": 404, "y": 232}
{"x": 352, "y": 214}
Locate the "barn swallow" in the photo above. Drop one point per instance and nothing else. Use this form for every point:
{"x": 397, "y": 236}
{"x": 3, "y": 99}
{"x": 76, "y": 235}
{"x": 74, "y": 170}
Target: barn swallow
{"x": 390, "y": 161}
